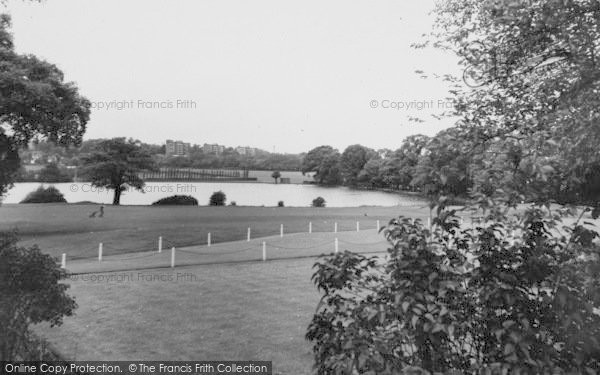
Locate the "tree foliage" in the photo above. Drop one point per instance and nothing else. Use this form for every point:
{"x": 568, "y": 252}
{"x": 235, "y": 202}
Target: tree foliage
{"x": 443, "y": 169}
{"x": 517, "y": 292}
{"x": 115, "y": 164}
{"x": 352, "y": 162}
{"x": 505, "y": 296}
{"x": 218, "y": 198}
{"x": 31, "y": 292}
{"x": 34, "y": 102}
{"x": 538, "y": 91}
{"x": 324, "y": 162}
{"x": 45, "y": 195}
{"x": 177, "y": 200}
{"x": 318, "y": 202}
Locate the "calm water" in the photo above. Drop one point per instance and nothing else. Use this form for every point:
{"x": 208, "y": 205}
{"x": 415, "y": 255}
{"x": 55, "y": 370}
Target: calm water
{"x": 244, "y": 194}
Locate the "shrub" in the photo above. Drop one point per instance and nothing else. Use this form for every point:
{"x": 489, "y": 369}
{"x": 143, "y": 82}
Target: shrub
{"x": 217, "y": 198}
{"x": 31, "y": 292}
{"x": 503, "y": 297}
{"x": 177, "y": 200}
{"x": 45, "y": 195}
{"x": 280, "y": 204}
{"x": 318, "y": 202}
{"x": 233, "y": 203}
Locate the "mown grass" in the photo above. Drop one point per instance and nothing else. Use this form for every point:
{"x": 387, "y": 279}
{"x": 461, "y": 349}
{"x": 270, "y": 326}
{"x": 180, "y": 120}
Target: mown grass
{"x": 67, "y": 228}
{"x": 250, "y": 311}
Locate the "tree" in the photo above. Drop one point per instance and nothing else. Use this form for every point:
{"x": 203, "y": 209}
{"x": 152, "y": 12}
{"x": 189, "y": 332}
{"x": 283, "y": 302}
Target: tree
{"x": 352, "y": 161}
{"x": 372, "y": 173}
{"x": 324, "y": 162}
{"x": 218, "y": 198}
{"x": 115, "y": 164}
{"x": 443, "y": 168}
{"x": 526, "y": 305}
{"x": 276, "y": 175}
{"x": 515, "y": 293}
{"x": 35, "y": 102}
{"x": 30, "y": 293}
{"x": 537, "y": 84}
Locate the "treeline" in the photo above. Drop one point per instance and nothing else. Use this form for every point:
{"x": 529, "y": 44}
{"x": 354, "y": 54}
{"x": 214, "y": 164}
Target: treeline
{"x": 230, "y": 158}
{"x": 449, "y": 165}
{"x": 57, "y": 159}
{"x": 360, "y": 166}
{"x": 452, "y": 163}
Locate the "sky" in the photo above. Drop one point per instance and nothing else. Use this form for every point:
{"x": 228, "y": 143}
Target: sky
{"x": 285, "y": 76}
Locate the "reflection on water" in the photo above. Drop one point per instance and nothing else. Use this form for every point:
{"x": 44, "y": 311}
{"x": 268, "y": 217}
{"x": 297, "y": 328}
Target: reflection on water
{"x": 244, "y": 194}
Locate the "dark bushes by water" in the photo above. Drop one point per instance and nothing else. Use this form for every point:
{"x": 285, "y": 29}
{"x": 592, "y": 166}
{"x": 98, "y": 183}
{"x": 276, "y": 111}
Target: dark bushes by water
{"x": 218, "y": 198}
{"x": 45, "y": 195}
{"x": 318, "y": 202}
{"x": 177, "y": 200}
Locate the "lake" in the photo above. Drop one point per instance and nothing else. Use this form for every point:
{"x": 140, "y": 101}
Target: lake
{"x": 244, "y": 194}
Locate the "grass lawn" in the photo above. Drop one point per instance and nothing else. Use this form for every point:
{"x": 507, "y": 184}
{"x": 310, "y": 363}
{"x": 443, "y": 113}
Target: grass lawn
{"x": 67, "y": 228}
{"x": 250, "y": 311}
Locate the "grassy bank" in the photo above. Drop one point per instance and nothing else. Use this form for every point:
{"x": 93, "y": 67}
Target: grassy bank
{"x": 256, "y": 311}
{"x": 63, "y": 228}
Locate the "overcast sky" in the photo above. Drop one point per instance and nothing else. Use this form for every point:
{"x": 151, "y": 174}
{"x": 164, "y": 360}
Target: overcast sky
{"x": 276, "y": 74}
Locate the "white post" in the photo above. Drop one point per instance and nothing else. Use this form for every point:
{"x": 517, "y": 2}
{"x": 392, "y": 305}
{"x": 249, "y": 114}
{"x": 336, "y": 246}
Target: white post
{"x": 173, "y": 257}
{"x": 335, "y": 228}
{"x": 281, "y": 230}
{"x": 63, "y": 261}
{"x": 248, "y": 235}
{"x": 337, "y": 246}
{"x": 378, "y": 225}
{"x": 100, "y": 252}
{"x": 208, "y": 240}
{"x": 310, "y": 227}
{"x": 160, "y": 244}
{"x": 264, "y": 251}
{"x": 357, "y": 226}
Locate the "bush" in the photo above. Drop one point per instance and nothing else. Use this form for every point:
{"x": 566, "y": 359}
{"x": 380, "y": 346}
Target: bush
{"x": 31, "y": 292}
{"x": 507, "y": 296}
{"x": 233, "y": 203}
{"x": 318, "y": 202}
{"x": 45, "y": 195}
{"x": 177, "y": 200}
{"x": 280, "y": 204}
{"x": 217, "y": 198}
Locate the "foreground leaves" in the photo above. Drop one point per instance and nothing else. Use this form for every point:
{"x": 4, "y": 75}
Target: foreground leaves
{"x": 506, "y": 296}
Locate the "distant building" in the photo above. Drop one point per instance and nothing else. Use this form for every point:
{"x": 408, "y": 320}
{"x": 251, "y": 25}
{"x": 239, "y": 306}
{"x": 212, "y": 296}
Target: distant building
{"x": 177, "y": 148}
{"x": 246, "y": 151}
{"x": 213, "y": 149}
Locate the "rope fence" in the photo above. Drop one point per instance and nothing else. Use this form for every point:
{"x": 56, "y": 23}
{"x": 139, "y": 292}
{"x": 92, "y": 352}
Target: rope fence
{"x": 264, "y": 250}
{"x": 162, "y": 251}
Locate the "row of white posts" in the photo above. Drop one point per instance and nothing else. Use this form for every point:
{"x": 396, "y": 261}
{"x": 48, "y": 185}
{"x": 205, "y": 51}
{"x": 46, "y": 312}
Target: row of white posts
{"x": 63, "y": 262}
{"x": 264, "y": 251}
{"x": 335, "y": 230}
